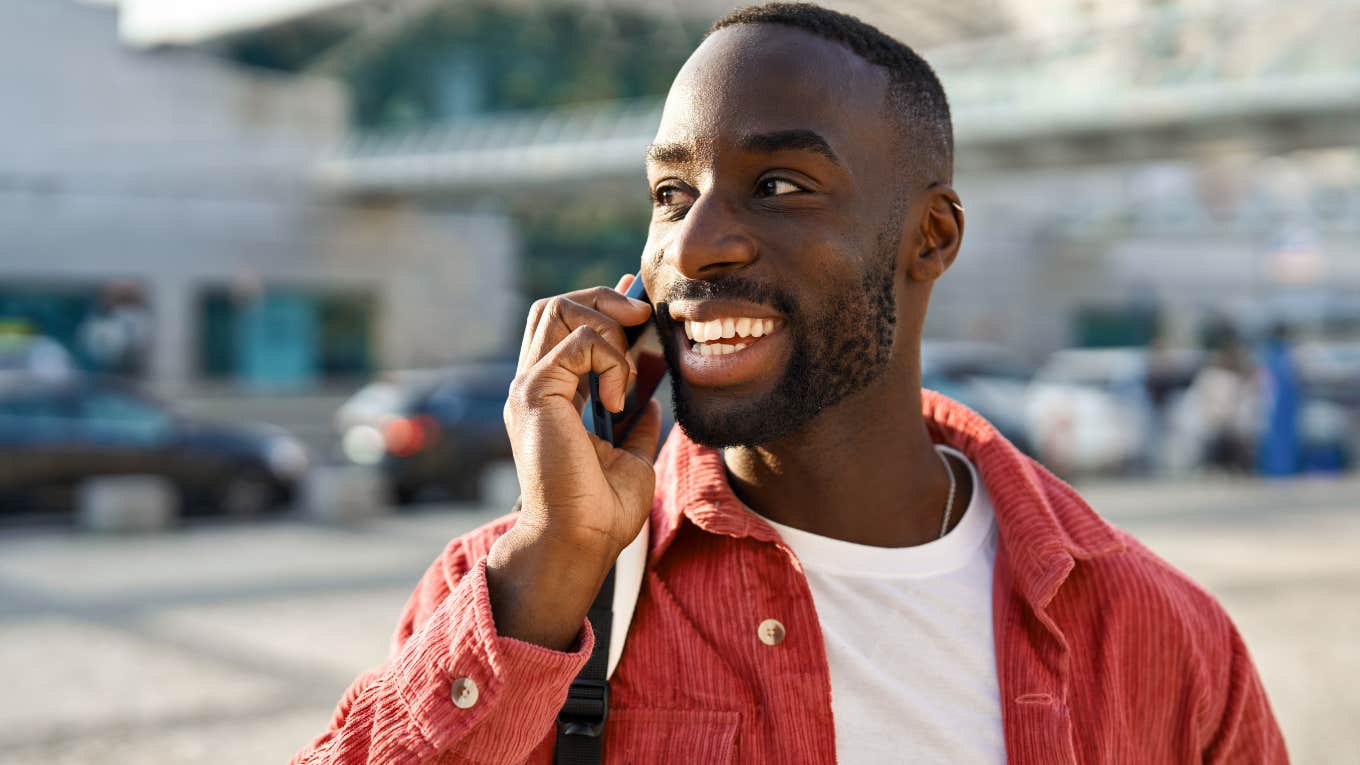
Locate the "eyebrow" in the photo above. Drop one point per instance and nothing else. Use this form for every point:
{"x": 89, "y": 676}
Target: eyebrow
{"x": 763, "y": 143}
{"x": 789, "y": 140}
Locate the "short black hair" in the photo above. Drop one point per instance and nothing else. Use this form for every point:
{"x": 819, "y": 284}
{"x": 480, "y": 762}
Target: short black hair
{"x": 915, "y": 95}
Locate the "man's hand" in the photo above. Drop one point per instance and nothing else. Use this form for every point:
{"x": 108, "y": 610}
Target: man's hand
{"x": 582, "y": 500}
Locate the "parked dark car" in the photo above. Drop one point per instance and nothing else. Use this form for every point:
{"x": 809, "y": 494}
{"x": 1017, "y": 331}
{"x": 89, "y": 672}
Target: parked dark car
{"x": 434, "y": 432}
{"x": 431, "y": 431}
{"x": 53, "y": 436}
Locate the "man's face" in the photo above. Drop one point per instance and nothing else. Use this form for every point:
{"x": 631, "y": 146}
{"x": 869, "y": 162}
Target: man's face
{"x": 777, "y": 207}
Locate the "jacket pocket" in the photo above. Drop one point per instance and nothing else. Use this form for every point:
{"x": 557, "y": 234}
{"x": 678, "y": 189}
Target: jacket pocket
{"x": 660, "y": 736}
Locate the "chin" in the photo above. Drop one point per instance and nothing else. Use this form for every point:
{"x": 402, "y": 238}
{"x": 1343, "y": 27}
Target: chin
{"x": 722, "y": 421}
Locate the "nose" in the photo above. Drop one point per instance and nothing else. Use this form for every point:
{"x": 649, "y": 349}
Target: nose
{"x": 711, "y": 241}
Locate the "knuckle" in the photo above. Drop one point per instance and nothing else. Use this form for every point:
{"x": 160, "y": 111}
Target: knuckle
{"x": 557, "y": 307}
{"x": 514, "y": 400}
{"x": 587, "y": 334}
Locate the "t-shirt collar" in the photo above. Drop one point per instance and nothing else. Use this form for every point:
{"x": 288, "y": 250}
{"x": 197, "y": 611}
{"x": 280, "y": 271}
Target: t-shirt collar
{"x": 1042, "y": 523}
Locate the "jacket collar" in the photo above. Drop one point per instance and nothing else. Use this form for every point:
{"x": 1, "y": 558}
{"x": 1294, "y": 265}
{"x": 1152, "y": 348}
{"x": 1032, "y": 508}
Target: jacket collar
{"x": 1042, "y": 523}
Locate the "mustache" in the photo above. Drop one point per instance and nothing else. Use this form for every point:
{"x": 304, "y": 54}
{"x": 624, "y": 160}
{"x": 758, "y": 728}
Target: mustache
{"x": 733, "y": 287}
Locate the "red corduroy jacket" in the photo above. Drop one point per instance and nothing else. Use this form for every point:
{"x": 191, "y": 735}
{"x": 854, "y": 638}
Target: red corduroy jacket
{"x": 1105, "y": 653}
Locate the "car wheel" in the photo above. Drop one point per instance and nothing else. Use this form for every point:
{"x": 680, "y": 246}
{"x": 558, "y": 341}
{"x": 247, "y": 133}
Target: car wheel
{"x": 405, "y": 494}
{"x": 246, "y": 493}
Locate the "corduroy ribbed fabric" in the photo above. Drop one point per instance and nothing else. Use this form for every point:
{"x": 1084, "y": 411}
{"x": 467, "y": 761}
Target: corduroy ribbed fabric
{"x": 1105, "y": 653}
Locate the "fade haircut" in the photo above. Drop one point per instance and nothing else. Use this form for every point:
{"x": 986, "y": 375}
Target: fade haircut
{"x": 915, "y": 98}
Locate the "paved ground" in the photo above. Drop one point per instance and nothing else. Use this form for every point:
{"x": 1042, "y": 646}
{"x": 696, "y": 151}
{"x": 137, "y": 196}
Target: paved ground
{"x": 230, "y": 643}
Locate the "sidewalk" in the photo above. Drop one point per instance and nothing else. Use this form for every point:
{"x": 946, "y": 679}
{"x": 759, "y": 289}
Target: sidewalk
{"x": 231, "y": 643}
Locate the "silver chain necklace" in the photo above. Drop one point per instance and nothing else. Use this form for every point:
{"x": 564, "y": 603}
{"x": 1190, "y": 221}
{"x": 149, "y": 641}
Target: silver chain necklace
{"x": 949, "y": 503}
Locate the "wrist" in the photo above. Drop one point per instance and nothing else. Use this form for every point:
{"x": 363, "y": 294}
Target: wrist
{"x": 575, "y": 542}
{"x": 541, "y": 585}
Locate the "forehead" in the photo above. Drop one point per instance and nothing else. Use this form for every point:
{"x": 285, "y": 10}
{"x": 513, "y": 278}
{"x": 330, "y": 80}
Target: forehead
{"x": 764, "y": 78}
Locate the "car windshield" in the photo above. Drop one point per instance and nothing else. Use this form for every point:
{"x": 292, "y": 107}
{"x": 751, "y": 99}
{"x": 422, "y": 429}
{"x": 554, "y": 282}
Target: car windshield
{"x": 115, "y": 415}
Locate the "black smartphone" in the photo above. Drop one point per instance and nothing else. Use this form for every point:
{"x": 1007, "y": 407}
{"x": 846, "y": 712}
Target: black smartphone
{"x": 651, "y": 368}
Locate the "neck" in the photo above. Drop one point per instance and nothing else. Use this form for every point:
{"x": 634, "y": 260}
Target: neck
{"x": 864, "y": 471}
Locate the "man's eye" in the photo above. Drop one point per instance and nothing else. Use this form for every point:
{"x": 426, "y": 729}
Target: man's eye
{"x": 774, "y": 187}
{"x": 670, "y": 196}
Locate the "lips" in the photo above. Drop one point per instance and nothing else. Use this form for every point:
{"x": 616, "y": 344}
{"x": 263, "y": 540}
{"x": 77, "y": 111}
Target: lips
{"x": 725, "y": 344}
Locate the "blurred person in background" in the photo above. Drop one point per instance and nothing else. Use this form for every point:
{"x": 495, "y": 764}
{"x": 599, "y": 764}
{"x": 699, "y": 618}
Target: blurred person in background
{"x": 116, "y": 336}
{"x": 1163, "y": 380}
{"x": 841, "y": 565}
{"x": 1226, "y": 396}
{"x": 1278, "y": 454}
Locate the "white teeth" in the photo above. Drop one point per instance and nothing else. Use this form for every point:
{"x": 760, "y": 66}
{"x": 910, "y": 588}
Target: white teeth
{"x": 718, "y": 349}
{"x": 705, "y": 331}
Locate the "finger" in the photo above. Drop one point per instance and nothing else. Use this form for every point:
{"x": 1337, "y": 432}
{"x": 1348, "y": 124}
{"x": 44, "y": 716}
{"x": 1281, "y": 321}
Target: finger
{"x": 561, "y": 317}
{"x": 623, "y": 283}
{"x": 584, "y": 350}
{"x": 610, "y": 303}
{"x": 641, "y": 440}
{"x": 530, "y": 329}
{"x": 582, "y": 396}
{"x": 614, "y": 304}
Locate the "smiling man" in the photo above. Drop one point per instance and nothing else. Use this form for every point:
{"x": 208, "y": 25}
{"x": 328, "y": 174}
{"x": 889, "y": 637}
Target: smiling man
{"x": 842, "y": 567}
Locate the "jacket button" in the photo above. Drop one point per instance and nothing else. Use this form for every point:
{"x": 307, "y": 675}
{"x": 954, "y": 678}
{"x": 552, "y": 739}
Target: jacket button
{"x": 464, "y": 692}
{"x": 771, "y": 632}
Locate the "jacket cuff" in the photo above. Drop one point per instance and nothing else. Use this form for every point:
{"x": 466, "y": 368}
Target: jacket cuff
{"x": 511, "y": 690}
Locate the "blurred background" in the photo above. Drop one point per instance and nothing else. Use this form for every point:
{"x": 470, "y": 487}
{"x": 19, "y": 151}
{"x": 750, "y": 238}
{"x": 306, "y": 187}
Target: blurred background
{"x": 264, "y": 267}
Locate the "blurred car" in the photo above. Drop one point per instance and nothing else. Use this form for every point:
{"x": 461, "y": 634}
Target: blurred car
{"x": 989, "y": 379}
{"x": 1089, "y": 409}
{"x": 53, "y": 436}
{"x": 37, "y": 356}
{"x": 432, "y": 432}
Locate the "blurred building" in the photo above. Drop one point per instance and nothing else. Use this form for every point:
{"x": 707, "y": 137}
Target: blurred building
{"x": 161, "y": 219}
{"x": 1127, "y": 166}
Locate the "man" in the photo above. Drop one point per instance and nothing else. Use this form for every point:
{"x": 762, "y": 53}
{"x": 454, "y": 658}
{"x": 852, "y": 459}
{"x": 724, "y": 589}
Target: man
{"x": 842, "y": 567}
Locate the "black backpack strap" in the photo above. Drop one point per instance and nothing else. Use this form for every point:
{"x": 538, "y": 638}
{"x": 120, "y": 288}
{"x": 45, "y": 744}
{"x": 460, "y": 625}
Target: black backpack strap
{"x": 580, "y": 723}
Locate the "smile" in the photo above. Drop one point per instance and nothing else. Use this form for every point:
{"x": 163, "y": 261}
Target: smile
{"x": 728, "y": 344}
{"x": 720, "y": 337}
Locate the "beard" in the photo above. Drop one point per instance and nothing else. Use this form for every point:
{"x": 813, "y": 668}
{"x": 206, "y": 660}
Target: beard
{"x": 836, "y": 351}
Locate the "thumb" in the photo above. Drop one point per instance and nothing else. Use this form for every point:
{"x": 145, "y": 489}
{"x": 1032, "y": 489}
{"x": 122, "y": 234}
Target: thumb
{"x": 641, "y": 441}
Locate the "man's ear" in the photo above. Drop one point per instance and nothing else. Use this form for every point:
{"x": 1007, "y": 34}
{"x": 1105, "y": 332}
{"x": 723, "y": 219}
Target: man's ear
{"x": 940, "y": 234}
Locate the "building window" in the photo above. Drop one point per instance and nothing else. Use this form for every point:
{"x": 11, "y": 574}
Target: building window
{"x": 282, "y": 337}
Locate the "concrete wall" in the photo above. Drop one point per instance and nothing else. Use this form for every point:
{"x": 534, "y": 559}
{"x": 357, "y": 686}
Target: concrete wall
{"x": 184, "y": 173}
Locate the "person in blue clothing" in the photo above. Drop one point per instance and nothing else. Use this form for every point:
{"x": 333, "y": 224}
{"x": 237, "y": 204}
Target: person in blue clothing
{"x": 1278, "y": 452}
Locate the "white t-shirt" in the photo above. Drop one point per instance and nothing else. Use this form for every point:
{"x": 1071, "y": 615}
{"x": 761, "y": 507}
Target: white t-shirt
{"x": 909, "y": 640}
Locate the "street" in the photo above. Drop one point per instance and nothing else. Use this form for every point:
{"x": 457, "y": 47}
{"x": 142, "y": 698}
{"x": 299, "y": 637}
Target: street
{"x": 231, "y": 642}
